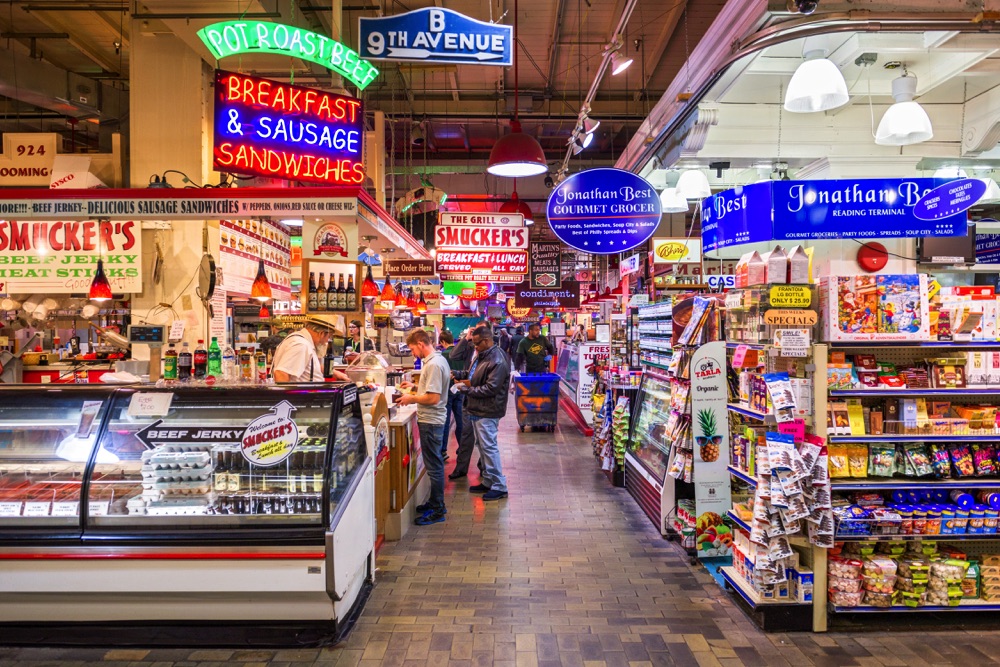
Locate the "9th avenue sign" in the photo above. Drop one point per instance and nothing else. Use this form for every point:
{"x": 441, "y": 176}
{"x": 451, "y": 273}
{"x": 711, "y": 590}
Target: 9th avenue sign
{"x": 436, "y": 35}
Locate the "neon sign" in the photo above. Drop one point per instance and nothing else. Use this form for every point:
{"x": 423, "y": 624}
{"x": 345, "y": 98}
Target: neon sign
{"x": 230, "y": 38}
{"x": 274, "y": 129}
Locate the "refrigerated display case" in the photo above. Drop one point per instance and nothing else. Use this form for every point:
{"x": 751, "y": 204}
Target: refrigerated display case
{"x": 647, "y": 456}
{"x": 214, "y": 507}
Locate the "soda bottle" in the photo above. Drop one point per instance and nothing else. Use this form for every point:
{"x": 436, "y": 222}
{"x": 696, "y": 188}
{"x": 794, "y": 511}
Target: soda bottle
{"x": 185, "y": 362}
{"x": 200, "y": 360}
{"x": 170, "y": 363}
{"x": 214, "y": 359}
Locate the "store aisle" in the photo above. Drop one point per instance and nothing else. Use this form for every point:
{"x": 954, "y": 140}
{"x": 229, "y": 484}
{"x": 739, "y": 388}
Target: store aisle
{"x": 566, "y": 571}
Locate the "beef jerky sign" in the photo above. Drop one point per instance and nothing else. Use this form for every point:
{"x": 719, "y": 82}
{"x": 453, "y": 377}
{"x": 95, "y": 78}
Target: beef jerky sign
{"x": 546, "y": 265}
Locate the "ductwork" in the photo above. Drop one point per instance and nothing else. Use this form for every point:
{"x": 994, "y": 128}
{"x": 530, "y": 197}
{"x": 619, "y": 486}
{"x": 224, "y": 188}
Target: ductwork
{"x": 46, "y": 86}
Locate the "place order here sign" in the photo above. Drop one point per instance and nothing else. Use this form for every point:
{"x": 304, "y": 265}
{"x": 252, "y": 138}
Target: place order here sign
{"x": 484, "y": 247}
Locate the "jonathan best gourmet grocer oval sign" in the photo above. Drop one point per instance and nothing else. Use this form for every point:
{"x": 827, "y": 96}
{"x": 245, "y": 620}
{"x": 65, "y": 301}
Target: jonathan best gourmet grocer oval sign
{"x": 604, "y": 211}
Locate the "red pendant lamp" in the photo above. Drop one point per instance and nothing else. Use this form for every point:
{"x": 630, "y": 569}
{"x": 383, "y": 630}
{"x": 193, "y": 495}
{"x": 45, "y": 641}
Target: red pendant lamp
{"x": 388, "y": 295}
{"x": 100, "y": 288}
{"x": 261, "y": 289}
{"x": 400, "y": 296}
{"x": 411, "y": 301}
{"x": 369, "y": 288}
{"x": 515, "y": 205}
{"x": 517, "y": 154}
{"x": 422, "y": 305}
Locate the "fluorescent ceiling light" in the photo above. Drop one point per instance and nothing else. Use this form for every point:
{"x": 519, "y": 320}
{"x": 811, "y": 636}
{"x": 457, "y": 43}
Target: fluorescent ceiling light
{"x": 293, "y": 222}
{"x": 905, "y": 122}
{"x": 693, "y": 184}
{"x": 817, "y": 85}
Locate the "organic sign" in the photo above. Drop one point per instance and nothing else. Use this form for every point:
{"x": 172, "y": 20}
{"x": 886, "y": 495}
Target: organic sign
{"x": 61, "y": 257}
{"x": 271, "y": 438}
{"x": 604, "y": 211}
{"x": 436, "y": 35}
{"x": 790, "y": 296}
{"x": 546, "y": 264}
{"x": 710, "y": 424}
{"x": 566, "y": 296}
{"x": 230, "y": 38}
{"x": 278, "y": 130}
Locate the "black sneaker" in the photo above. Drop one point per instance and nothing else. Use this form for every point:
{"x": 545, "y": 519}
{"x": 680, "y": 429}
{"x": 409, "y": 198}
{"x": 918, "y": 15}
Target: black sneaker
{"x": 479, "y": 488}
{"x": 427, "y": 507}
{"x": 433, "y": 516}
{"x": 494, "y": 495}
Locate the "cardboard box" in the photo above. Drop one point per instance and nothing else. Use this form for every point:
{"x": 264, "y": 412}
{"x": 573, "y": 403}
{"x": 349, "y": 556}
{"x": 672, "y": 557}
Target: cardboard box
{"x": 798, "y": 266}
{"x": 852, "y": 309}
{"x": 775, "y": 266}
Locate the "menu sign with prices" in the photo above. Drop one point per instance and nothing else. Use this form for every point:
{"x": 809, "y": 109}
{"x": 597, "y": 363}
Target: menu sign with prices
{"x": 242, "y": 243}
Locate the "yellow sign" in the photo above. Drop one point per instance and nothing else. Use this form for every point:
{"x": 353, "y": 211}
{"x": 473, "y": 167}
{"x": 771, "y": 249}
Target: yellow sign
{"x": 786, "y": 318}
{"x": 677, "y": 250}
{"x": 791, "y": 296}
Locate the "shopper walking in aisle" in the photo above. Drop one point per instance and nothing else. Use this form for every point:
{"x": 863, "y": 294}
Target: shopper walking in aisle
{"x": 467, "y": 437}
{"x": 515, "y": 341}
{"x": 296, "y": 359}
{"x": 503, "y": 341}
{"x": 486, "y": 386}
{"x": 534, "y": 352}
{"x": 431, "y": 400}
{"x": 457, "y": 357}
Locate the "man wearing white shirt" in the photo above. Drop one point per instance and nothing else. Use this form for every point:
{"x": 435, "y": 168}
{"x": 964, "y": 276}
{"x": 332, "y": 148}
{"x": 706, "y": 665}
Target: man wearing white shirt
{"x": 296, "y": 359}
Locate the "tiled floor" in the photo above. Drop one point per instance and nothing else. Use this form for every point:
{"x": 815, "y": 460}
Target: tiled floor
{"x": 566, "y": 571}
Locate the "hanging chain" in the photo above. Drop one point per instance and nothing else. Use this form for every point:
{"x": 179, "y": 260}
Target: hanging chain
{"x": 781, "y": 115}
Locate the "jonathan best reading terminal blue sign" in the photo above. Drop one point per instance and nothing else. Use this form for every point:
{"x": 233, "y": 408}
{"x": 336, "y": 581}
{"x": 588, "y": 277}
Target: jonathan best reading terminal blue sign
{"x": 603, "y": 211}
{"x": 867, "y": 209}
{"x": 436, "y": 35}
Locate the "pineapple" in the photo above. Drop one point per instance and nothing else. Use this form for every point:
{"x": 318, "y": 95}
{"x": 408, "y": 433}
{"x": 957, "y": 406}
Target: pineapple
{"x": 709, "y": 441}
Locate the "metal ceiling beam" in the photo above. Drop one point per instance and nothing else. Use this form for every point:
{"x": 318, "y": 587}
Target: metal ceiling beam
{"x": 662, "y": 41}
{"x": 194, "y": 16}
{"x": 120, "y": 27}
{"x": 554, "y": 47}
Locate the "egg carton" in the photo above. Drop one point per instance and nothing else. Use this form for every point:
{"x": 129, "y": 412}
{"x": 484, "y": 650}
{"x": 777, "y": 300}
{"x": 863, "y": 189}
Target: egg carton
{"x": 186, "y": 447}
{"x": 185, "y": 507}
{"x": 161, "y": 460}
{"x": 151, "y": 474}
{"x": 196, "y": 487}
{"x": 136, "y": 505}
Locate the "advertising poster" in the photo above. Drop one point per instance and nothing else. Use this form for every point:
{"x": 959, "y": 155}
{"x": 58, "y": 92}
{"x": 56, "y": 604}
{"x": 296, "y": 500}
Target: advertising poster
{"x": 242, "y": 243}
{"x": 546, "y": 264}
{"x": 710, "y": 423}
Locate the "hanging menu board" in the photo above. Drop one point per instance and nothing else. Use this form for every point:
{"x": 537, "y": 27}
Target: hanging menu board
{"x": 242, "y": 243}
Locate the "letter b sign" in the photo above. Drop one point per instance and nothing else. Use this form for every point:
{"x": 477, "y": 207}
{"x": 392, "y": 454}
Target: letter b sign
{"x": 436, "y": 20}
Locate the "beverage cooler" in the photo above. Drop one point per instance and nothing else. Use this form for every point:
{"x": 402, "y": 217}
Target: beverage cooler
{"x": 201, "y": 515}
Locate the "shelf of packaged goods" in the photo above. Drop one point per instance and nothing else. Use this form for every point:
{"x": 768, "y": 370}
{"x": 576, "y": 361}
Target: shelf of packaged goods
{"x": 742, "y": 475}
{"x": 915, "y": 438}
{"x": 745, "y": 591}
{"x": 916, "y": 393}
{"x": 662, "y": 367}
{"x": 738, "y": 521}
{"x": 915, "y": 343}
{"x": 967, "y": 605}
{"x": 749, "y": 346}
{"x": 941, "y": 537}
{"x": 896, "y": 484}
{"x": 746, "y": 412}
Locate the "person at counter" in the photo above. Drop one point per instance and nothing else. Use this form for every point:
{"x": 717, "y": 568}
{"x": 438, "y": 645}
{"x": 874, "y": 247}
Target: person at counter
{"x": 534, "y": 352}
{"x": 356, "y": 343}
{"x": 296, "y": 359}
{"x": 431, "y": 400}
{"x": 580, "y": 335}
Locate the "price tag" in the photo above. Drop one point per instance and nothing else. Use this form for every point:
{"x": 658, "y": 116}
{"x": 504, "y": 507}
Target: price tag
{"x": 150, "y": 404}
{"x": 11, "y": 508}
{"x": 791, "y": 338}
{"x": 99, "y": 508}
{"x": 795, "y": 428}
{"x": 66, "y": 508}
{"x": 176, "y": 331}
{"x": 739, "y": 355}
{"x": 791, "y": 296}
{"x": 37, "y": 508}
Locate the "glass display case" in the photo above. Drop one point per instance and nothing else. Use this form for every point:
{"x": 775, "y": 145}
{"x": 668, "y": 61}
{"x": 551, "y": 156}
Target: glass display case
{"x": 648, "y": 444}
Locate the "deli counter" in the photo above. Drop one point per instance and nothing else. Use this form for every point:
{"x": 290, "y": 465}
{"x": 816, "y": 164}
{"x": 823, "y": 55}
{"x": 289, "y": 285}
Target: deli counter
{"x": 207, "y": 508}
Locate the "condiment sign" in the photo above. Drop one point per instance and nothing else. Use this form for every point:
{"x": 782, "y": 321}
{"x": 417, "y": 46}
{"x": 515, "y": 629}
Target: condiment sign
{"x": 269, "y": 128}
{"x": 410, "y": 268}
{"x": 473, "y": 236}
{"x": 231, "y": 38}
{"x": 604, "y": 211}
{"x": 496, "y": 266}
{"x": 61, "y": 257}
{"x": 790, "y": 296}
{"x": 790, "y": 317}
{"x": 567, "y": 296}
{"x": 676, "y": 250}
{"x": 271, "y": 438}
{"x": 436, "y": 35}
{"x": 546, "y": 264}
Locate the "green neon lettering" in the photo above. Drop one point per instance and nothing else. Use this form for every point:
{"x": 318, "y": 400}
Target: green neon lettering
{"x": 230, "y": 38}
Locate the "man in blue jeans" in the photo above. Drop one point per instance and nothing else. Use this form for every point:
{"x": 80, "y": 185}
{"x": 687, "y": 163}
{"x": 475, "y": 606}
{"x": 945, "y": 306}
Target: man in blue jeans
{"x": 431, "y": 400}
{"x": 457, "y": 356}
{"x": 486, "y": 385}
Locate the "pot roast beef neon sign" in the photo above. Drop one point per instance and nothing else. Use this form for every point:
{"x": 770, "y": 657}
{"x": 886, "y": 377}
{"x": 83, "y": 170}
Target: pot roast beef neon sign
{"x": 269, "y": 128}
{"x": 230, "y": 38}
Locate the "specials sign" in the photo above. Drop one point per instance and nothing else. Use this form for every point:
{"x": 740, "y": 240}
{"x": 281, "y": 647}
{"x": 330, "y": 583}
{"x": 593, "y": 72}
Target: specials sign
{"x": 61, "y": 257}
{"x": 269, "y": 128}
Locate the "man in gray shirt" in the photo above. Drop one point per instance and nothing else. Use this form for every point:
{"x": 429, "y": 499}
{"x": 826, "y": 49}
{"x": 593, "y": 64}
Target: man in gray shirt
{"x": 431, "y": 400}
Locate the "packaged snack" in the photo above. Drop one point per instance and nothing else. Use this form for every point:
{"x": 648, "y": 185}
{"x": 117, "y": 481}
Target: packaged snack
{"x": 896, "y": 549}
{"x": 838, "y": 461}
{"x": 878, "y": 566}
{"x": 844, "y": 568}
{"x": 880, "y": 460}
{"x": 845, "y": 598}
{"x": 878, "y": 599}
{"x": 933, "y": 524}
{"x": 879, "y": 584}
{"x": 910, "y": 599}
{"x": 940, "y": 460}
{"x": 961, "y": 459}
{"x": 917, "y": 457}
{"x": 852, "y": 520}
{"x": 844, "y": 585}
{"x": 911, "y": 585}
{"x": 857, "y": 457}
{"x": 984, "y": 458}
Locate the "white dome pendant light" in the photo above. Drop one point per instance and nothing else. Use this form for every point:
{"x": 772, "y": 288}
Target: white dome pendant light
{"x": 817, "y": 84}
{"x": 693, "y": 184}
{"x": 905, "y": 122}
{"x": 672, "y": 202}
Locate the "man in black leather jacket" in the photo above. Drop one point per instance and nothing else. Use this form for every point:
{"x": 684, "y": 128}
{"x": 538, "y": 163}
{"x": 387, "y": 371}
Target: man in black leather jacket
{"x": 486, "y": 386}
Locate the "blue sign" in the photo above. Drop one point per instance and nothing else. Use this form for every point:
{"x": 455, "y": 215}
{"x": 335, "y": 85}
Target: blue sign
{"x": 950, "y": 199}
{"x": 987, "y": 248}
{"x": 839, "y": 209}
{"x": 604, "y": 211}
{"x": 436, "y": 35}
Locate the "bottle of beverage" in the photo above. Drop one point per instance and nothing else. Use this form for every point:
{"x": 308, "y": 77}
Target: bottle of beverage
{"x": 341, "y": 293}
{"x": 246, "y": 364}
{"x": 185, "y": 362}
{"x": 322, "y": 296}
{"x": 261, "y": 363}
{"x": 230, "y": 365}
{"x": 313, "y": 299}
{"x": 200, "y": 360}
{"x": 352, "y": 296}
{"x": 214, "y": 358}
{"x": 170, "y": 363}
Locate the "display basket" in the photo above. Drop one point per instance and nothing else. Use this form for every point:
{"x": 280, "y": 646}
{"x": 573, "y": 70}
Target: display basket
{"x": 536, "y": 400}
